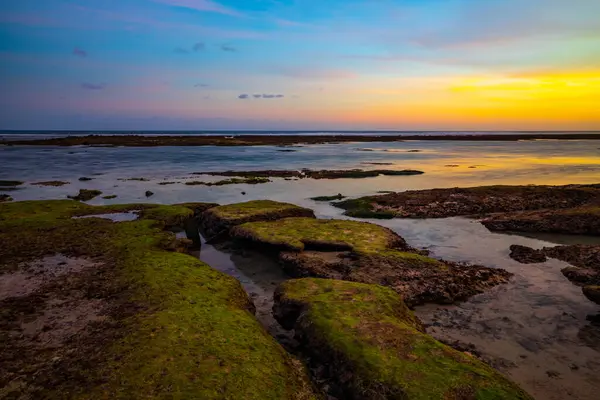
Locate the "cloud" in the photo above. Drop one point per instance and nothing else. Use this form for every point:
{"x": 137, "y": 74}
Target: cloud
{"x": 93, "y": 86}
{"x": 229, "y": 48}
{"x": 198, "y": 46}
{"x": 201, "y": 5}
{"x": 77, "y": 52}
{"x": 180, "y": 50}
{"x": 201, "y": 85}
{"x": 261, "y": 96}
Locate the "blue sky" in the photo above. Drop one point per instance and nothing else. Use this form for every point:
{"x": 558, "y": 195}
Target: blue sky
{"x": 308, "y": 64}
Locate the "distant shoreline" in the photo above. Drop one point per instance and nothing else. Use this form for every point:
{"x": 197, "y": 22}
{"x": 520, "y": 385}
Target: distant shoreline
{"x": 281, "y": 140}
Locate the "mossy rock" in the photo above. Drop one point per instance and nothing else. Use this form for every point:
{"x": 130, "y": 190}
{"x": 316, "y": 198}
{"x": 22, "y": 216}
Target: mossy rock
{"x": 5, "y": 197}
{"x": 339, "y": 196}
{"x": 110, "y": 197}
{"x": 369, "y": 253}
{"x": 373, "y": 347}
{"x": 170, "y": 327}
{"x": 86, "y": 195}
{"x": 442, "y": 203}
{"x": 231, "y": 181}
{"x": 219, "y": 220}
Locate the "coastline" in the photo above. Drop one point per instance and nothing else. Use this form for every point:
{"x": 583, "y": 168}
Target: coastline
{"x": 280, "y": 140}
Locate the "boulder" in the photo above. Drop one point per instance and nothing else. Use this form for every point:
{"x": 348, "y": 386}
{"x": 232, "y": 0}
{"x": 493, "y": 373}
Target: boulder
{"x": 526, "y": 255}
{"x": 219, "y": 220}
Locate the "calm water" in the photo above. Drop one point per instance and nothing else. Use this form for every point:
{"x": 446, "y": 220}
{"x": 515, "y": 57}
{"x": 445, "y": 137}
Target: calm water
{"x": 533, "y": 329}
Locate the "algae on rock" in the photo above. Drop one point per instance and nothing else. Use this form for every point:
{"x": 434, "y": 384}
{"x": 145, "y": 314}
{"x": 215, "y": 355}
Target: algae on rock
{"x": 365, "y": 252}
{"x": 167, "y": 325}
{"x": 373, "y": 347}
{"x": 219, "y": 220}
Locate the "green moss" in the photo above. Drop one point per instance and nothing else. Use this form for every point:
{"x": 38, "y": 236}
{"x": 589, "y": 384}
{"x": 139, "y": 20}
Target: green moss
{"x": 192, "y": 336}
{"x": 368, "y": 336}
{"x": 198, "y": 207}
{"x": 252, "y": 208}
{"x": 363, "y": 208}
{"x": 86, "y": 195}
{"x": 328, "y": 198}
{"x": 11, "y": 183}
{"x": 364, "y": 238}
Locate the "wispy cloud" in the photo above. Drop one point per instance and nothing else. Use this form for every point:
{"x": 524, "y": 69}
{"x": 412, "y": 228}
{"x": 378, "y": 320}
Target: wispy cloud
{"x": 202, "y": 5}
{"x": 201, "y": 85}
{"x": 198, "y": 46}
{"x": 261, "y": 96}
{"x": 79, "y": 52}
{"x": 228, "y": 48}
{"x": 315, "y": 73}
{"x": 93, "y": 86}
{"x": 180, "y": 50}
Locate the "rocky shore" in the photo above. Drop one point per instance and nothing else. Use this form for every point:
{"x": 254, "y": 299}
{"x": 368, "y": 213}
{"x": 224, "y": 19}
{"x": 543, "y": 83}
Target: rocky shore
{"x": 99, "y": 309}
{"x": 584, "y": 259}
{"x": 280, "y": 140}
{"x": 314, "y": 174}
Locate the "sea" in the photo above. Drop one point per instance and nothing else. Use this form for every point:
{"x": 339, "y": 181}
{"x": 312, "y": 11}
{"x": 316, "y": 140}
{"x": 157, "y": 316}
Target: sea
{"x": 534, "y": 329}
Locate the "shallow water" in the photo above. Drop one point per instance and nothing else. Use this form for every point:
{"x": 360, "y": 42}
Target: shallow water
{"x": 115, "y": 217}
{"x": 534, "y": 329}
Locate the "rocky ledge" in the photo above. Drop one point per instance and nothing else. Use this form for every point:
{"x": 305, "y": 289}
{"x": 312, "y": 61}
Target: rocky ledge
{"x": 217, "y": 221}
{"x": 373, "y": 347}
{"x": 584, "y": 259}
{"x": 475, "y": 201}
{"x": 364, "y": 252}
{"x": 95, "y": 309}
{"x": 315, "y": 174}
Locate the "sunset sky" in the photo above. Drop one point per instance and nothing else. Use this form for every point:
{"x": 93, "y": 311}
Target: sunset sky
{"x": 305, "y": 64}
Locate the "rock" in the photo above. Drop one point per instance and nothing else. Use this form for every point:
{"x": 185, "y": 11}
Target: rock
{"x": 328, "y": 198}
{"x": 11, "y": 183}
{"x": 51, "y": 183}
{"x": 85, "y": 179}
{"x": 219, "y": 220}
{"x": 526, "y": 255}
{"x": 4, "y": 198}
{"x": 373, "y": 347}
{"x": 112, "y": 196}
{"x": 369, "y": 253}
{"x": 149, "y": 193}
{"x": 442, "y": 203}
{"x": 583, "y": 220}
{"x": 232, "y": 181}
{"x": 592, "y": 292}
{"x": 86, "y": 195}
{"x": 313, "y": 174}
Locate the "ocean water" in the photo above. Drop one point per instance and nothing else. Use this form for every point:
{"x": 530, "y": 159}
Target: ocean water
{"x": 533, "y": 329}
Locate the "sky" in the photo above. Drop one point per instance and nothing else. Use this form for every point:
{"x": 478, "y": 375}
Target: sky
{"x": 300, "y": 65}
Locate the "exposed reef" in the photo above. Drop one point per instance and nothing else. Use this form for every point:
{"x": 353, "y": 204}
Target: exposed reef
{"x": 339, "y": 196}
{"x": 11, "y": 183}
{"x": 314, "y": 174}
{"x": 231, "y": 181}
{"x": 369, "y": 253}
{"x": 475, "y": 201}
{"x": 50, "y": 183}
{"x": 219, "y": 220}
{"x": 95, "y": 309}
{"x": 86, "y": 195}
{"x": 262, "y": 140}
{"x": 527, "y": 255}
{"x": 373, "y": 347}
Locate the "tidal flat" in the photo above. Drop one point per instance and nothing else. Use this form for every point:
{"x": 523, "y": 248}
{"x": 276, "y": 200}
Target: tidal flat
{"x": 533, "y": 328}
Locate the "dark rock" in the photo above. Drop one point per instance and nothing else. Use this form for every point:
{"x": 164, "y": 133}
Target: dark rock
{"x": 51, "y": 183}
{"x": 339, "y": 196}
{"x": 5, "y": 197}
{"x": 526, "y": 255}
{"x": 592, "y": 292}
{"x": 11, "y": 183}
{"x": 149, "y": 193}
{"x": 85, "y": 179}
{"x": 86, "y": 195}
